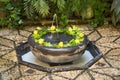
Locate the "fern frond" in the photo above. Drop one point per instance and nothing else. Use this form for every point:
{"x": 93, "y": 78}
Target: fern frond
{"x": 60, "y": 4}
{"x": 29, "y": 10}
{"x": 41, "y": 7}
{"x": 76, "y": 5}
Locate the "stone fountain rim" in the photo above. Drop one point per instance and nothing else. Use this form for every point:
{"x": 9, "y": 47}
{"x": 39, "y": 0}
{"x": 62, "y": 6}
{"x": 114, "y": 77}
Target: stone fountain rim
{"x": 38, "y": 46}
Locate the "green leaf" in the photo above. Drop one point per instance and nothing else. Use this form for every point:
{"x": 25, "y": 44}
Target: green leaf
{"x": 60, "y": 4}
{"x": 20, "y": 22}
{"x": 48, "y": 44}
{"x": 4, "y": 0}
{"x": 41, "y": 7}
{"x": 9, "y": 7}
{"x": 28, "y": 7}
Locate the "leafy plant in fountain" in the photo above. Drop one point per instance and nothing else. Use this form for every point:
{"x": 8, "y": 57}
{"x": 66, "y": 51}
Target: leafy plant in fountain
{"x": 73, "y": 31}
{"x": 115, "y": 8}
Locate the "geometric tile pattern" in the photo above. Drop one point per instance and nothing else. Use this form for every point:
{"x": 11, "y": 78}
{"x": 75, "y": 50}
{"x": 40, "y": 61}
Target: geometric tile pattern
{"x": 106, "y": 38}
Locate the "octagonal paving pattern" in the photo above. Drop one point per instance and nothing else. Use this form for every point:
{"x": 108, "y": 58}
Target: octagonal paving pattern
{"x": 106, "y": 38}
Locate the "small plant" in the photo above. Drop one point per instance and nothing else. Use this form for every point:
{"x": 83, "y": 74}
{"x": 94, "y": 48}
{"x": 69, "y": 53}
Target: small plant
{"x": 115, "y": 8}
{"x": 73, "y": 31}
{"x": 99, "y": 7}
{"x": 63, "y": 20}
{"x": 12, "y": 17}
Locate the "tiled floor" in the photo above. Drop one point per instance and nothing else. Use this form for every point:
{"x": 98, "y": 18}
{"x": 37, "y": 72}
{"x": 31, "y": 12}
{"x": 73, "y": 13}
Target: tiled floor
{"x": 106, "y": 38}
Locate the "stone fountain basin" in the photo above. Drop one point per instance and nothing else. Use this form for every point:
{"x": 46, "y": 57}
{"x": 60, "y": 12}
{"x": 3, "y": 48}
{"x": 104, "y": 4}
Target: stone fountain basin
{"x": 57, "y": 55}
{"x": 89, "y": 57}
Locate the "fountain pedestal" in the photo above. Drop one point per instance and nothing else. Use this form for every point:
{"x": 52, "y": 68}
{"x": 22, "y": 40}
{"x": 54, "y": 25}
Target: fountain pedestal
{"x": 89, "y": 57}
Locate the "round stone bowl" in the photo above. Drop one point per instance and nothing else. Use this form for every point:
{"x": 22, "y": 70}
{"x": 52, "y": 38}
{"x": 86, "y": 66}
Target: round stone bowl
{"x": 57, "y": 55}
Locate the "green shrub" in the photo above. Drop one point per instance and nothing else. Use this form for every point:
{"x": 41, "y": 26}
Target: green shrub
{"x": 12, "y": 17}
{"x": 65, "y": 8}
{"x": 4, "y": 1}
{"x": 38, "y": 9}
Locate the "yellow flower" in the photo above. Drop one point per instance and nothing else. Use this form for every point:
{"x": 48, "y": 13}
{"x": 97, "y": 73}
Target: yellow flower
{"x": 38, "y": 28}
{"x": 77, "y": 41}
{"x": 81, "y": 34}
{"x": 75, "y": 27}
{"x": 52, "y": 28}
{"x": 35, "y": 32}
{"x": 41, "y": 41}
{"x": 60, "y": 44}
{"x": 69, "y": 29}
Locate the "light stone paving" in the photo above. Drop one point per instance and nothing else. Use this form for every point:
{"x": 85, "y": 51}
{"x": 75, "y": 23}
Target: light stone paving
{"x": 106, "y": 38}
